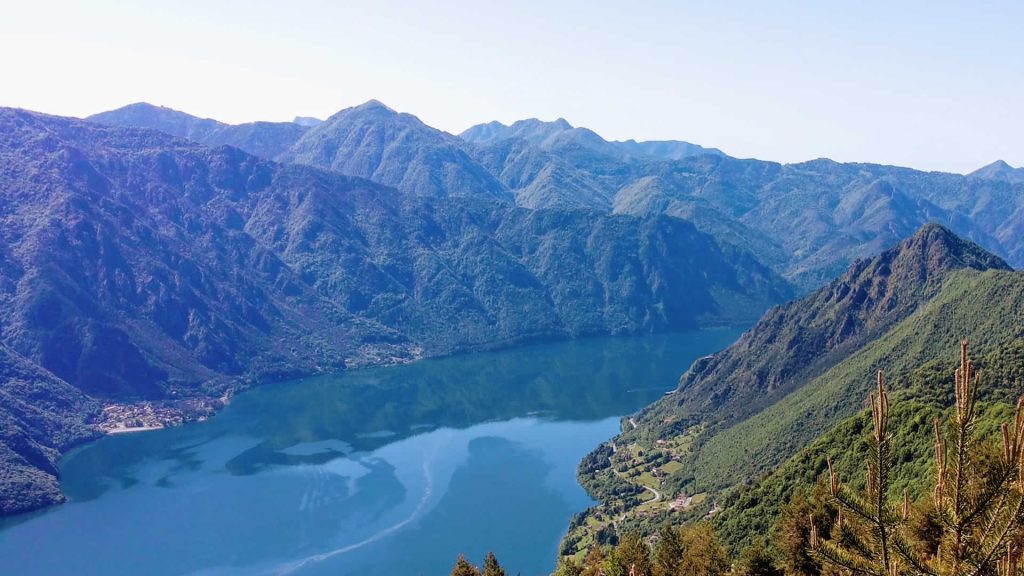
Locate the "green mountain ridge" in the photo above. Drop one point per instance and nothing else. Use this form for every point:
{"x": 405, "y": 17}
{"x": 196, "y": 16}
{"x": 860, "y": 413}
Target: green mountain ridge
{"x": 742, "y": 419}
{"x": 920, "y": 392}
{"x": 792, "y": 343}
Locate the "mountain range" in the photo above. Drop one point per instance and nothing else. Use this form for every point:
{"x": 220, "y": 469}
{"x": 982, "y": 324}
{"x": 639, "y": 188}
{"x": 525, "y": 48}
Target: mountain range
{"x": 136, "y": 265}
{"x": 807, "y": 221}
{"x": 148, "y": 255}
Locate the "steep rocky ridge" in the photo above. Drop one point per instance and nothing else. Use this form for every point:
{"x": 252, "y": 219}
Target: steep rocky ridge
{"x": 805, "y": 367}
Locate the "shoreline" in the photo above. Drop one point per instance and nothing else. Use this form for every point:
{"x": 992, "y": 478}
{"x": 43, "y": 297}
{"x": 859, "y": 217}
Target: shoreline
{"x": 146, "y": 416}
{"x": 116, "y": 431}
{"x": 168, "y": 414}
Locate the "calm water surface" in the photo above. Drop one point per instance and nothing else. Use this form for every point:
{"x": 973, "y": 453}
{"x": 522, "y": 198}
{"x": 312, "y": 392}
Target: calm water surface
{"x": 391, "y": 471}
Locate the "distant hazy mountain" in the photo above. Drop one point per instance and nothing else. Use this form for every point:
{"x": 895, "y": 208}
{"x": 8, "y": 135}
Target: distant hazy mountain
{"x": 665, "y": 149}
{"x": 137, "y": 265}
{"x": 559, "y": 135}
{"x": 375, "y": 142}
{"x": 999, "y": 170}
{"x": 824, "y": 214}
{"x": 808, "y": 221}
{"x": 307, "y": 121}
{"x": 552, "y": 164}
{"x": 540, "y": 179}
{"x": 145, "y": 115}
{"x": 263, "y": 139}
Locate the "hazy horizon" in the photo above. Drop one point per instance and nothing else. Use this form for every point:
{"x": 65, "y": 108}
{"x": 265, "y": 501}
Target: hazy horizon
{"x": 928, "y": 86}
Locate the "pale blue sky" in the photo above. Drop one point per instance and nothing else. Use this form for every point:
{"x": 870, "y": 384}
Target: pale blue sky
{"x": 933, "y": 85}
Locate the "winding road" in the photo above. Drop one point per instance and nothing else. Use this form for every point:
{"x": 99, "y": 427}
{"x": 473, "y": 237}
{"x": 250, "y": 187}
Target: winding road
{"x": 657, "y": 495}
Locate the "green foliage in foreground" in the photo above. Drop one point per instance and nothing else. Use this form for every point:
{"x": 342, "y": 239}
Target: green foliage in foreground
{"x": 491, "y": 567}
{"x": 973, "y": 518}
{"x": 763, "y": 521}
{"x": 691, "y": 550}
{"x": 753, "y": 509}
{"x": 752, "y": 469}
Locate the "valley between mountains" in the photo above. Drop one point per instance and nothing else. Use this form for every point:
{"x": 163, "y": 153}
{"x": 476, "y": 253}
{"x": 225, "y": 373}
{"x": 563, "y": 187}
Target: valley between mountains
{"x": 155, "y": 263}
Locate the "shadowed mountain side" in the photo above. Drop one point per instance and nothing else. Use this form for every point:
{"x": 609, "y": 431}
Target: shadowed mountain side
{"x": 560, "y": 136}
{"x": 40, "y": 416}
{"x": 134, "y": 265}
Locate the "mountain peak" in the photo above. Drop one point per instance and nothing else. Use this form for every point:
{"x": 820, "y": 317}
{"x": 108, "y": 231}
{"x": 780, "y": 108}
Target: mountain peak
{"x": 307, "y": 121}
{"x": 537, "y": 125}
{"x": 374, "y": 104}
{"x": 533, "y": 130}
{"x": 942, "y": 249}
{"x": 139, "y": 109}
{"x": 396, "y": 149}
{"x": 933, "y": 229}
{"x": 162, "y": 118}
{"x": 999, "y": 170}
{"x": 371, "y": 110}
{"x": 560, "y": 136}
{"x": 143, "y": 106}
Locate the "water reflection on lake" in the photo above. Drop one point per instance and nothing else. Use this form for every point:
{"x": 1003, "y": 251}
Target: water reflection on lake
{"x": 383, "y": 471}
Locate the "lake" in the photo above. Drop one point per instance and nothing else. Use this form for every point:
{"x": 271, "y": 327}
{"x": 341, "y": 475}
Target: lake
{"x": 390, "y": 471}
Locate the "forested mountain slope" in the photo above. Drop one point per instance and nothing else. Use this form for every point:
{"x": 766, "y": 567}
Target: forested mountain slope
{"x": 801, "y": 370}
{"x": 138, "y": 266}
{"x": 807, "y": 221}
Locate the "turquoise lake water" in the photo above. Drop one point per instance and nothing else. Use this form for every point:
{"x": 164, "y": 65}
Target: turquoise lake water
{"x": 389, "y": 471}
